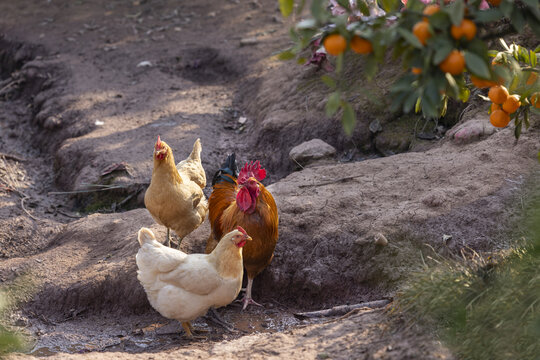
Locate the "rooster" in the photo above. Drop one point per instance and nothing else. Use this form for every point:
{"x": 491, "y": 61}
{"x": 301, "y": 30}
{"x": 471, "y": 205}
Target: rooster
{"x": 183, "y": 287}
{"x": 241, "y": 200}
{"x": 175, "y": 198}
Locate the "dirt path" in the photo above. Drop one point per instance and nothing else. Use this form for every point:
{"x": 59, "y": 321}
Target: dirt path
{"x": 90, "y": 85}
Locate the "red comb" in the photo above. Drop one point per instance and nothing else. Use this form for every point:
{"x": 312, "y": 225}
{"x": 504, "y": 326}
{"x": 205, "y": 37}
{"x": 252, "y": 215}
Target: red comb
{"x": 252, "y": 169}
{"x": 241, "y": 229}
{"x": 158, "y": 142}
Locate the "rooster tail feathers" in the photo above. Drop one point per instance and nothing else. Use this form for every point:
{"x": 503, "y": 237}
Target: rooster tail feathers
{"x": 196, "y": 152}
{"x": 229, "y": 167}
{"x": 145, "y": 236}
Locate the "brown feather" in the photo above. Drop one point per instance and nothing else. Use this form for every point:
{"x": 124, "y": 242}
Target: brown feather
{"x": 261, "y": 225}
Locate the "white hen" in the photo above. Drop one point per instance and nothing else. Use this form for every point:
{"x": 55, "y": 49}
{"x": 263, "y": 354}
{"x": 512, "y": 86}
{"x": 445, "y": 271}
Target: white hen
{"x": 184, "y": 286}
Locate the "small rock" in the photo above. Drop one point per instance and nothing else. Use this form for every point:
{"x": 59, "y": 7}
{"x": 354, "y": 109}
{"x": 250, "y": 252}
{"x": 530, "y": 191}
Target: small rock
{"x": 145, "y": 63}
{"x": 375, "y": 126}
{"x": 311, "y": 150}
{"x": 212, "y": 14}
{"x": 249, "y": 41}
{"x": 446, "y": 238}
{"x": 380, "y": 239}
{"x": 99, "y": 123}
{"x": 52, "y": 122}
{"x": 242, "y": 119}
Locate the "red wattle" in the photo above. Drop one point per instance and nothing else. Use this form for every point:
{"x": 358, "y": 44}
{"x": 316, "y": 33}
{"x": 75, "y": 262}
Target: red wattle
{"x": 243, "y": 199}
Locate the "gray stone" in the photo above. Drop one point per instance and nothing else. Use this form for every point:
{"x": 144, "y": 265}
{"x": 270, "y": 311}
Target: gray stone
{"x": 311, "y": 150}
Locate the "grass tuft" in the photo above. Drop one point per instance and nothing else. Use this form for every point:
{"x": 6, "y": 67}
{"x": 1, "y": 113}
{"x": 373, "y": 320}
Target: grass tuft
{"x": 483, "y": 307}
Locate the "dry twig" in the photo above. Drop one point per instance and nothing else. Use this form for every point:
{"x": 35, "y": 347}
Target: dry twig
{"x": 342, "y": 309}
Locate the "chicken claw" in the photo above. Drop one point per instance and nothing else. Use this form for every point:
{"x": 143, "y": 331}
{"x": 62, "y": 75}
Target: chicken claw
{"x": 247, "y": 297}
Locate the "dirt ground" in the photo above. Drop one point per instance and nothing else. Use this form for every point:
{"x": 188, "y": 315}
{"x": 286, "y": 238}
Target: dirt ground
{"x": 86, "y": 87}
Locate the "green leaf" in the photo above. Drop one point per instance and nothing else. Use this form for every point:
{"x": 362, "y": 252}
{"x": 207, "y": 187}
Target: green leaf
{"x": 286, "y": 55}
{"x": 286, "y": 7}
{"x": 477, "y": 65}
{"x": 464, "y": 94}
{"x": 478, "y": 47}
{"x": 489, "y": 15}
{"x": 362, "y": 5}
{"x": 534, "y": 24}
{"x": 410, "y": 38}
{"x": 533, "y": 58}
{"x": 456, "y": 10}
{"x": 432, "y": 92}
{"x": 517, "y": 129}
{"x": 332, "y": 104}
{"x": 418, "y": 106}
{"x": 329, "y": 81}
{"x": 318, "y": 11}
{"x": 439, "y": 20}
{"x": 454, "y": 89}
{"x": 410, "y": 101}
{"x": 389, "y": 5}
{"x": 517, "y": 19}
{"x": 441, "y": 53}
{"x": 526, "y": 118}
{"x": 344, "y": 4}
{"x": 348, "y": 119}
{"x": 506, "y": 8}
{"x": 371, "y": 67}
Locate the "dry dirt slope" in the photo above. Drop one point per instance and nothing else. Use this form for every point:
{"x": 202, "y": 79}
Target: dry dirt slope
{"x": 328, "y": 213}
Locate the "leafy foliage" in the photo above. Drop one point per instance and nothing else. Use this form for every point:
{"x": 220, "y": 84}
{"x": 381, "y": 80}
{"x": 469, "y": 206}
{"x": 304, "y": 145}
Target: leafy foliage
{"x": 428, "y": 90}
{"x": 484, "y": 309}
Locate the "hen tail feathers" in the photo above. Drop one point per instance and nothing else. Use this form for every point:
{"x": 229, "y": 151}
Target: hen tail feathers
{"x": 145, "y": 236}
{"x": 229, "y": 167}
{"x": 196, "y": 152}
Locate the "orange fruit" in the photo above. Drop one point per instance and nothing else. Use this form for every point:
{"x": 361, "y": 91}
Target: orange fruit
{"x": 481, "y": 83}
{"x": 499, "y": 118}
{"x": 421, "y": 31}
{"x": 430, "y": 10}
{"x": 494, "y": 2}
{"x": 361, "y": 46}
{"x": 532, "y": 78}
{"x": 535, "y": 100}
{"x": 495, "y": 107}
{"x": 416, "y": 70}
{"x": 498, "y": 94}
{"x": 456, "y": 32}
{"x": 335, "y": 44}
{"x": 454, "y": 63}
{"x": 467, "y": 28}
{"x": 511, "y": 104}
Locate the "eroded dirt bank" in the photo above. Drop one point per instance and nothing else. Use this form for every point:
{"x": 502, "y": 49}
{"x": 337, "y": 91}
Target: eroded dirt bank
{"x": 93, "y": 84}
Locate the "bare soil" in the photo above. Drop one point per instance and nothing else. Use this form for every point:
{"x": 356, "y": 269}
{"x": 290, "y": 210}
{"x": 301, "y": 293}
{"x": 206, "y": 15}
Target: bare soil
{"x": 86, "y": 87}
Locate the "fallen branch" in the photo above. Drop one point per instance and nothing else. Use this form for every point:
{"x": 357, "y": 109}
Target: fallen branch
{"x": 85, "y": 190}
{"x": 12, "y": 157}
{"x": 331, "y": 181}
{"x": 342, "y": 309}
{"x": 5, "y": 88}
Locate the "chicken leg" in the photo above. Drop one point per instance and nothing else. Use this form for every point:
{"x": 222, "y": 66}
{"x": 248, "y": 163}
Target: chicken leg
{"x": 247, "y": 297}
{"x": 168, "y": 239}
{"x": 187, "y": 328}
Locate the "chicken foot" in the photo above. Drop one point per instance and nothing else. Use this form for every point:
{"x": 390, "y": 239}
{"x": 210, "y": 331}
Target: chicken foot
{"x": 213, "y": 316}
{"x": 188, "y": 328}
{"x": 247, "y": 300}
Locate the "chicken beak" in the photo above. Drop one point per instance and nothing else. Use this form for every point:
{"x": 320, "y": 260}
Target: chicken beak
{"x": 247, "y": 237}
